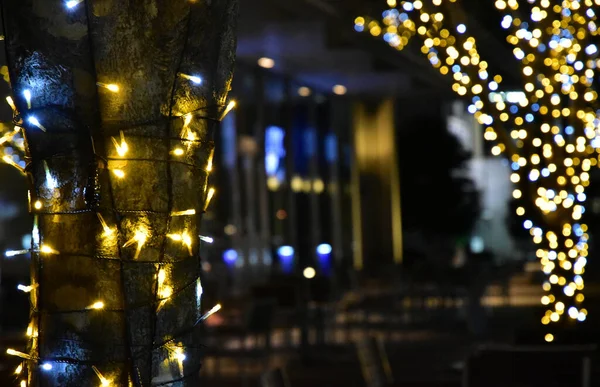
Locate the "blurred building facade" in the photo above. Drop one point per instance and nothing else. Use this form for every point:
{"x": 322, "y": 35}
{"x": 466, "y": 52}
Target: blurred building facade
{"x": 283, "y": 169}
{"x": 308, "y": 178}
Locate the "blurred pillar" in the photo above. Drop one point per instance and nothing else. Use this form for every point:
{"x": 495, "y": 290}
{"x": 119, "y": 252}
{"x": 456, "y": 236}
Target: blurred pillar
{"x": 339, "y": 124}
{"x": 376, "y": 211}
{"x": 264, "y": 245}
{"x": 291, "y": 228}
{"x": 248, "y": 149}
{"x": 313, "y": 175}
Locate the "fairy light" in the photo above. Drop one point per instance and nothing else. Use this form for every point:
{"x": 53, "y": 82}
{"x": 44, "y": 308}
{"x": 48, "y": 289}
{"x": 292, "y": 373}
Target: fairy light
{"x": 214, "y": 310}
{"x": 209, "y": 196}
{"x": 175, "y": 237}
{"x": 209, "y": 164}
{"x": 187, "y": 120}
{"x": 121, "y": 147}
{"x": 193, "y": 78}
{"x": 550, "y": 119}
{"x": 339, "y": 89}
{"x": 45, "y": 249}
{"x": 35, "y": 122}
{"x": 73, "y": 3}
{"x": 164, "y": 291}
{"x": 112, "y": 87}
{"x": 26, "y": 288}
{"x": 139, "y": 238}
{"x": 51, "y": 182}
{"x": 186, "y": 239}
{"x": 206, "y": 239}
{"x": 183, "y": 213}
{"x": 14, "y": 253}
{"x": 141, "y": 234}
{"x": 8, "y": 160}
{"x": 96, "y": 305}
{"x": 7, "y": 137}
{"x": 230, "y": 106}
{"x": 11, "y": 103}
{"x": 31, "y": 331}
{"x": 27, "y": 95}
{"x": 103, "y": 381}
{"x": 266, "y": 63}
{"x": 119, "y": 173}
{"x": 107, "y": 230}
{"x": 22, "y": 355}
{"x": 179, "y": 355}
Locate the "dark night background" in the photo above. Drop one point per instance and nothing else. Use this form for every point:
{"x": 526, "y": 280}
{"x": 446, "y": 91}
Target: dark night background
{"x": 422, "y": 274}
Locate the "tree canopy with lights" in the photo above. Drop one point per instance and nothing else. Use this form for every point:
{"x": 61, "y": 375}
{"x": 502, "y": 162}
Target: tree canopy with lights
{"x": 548, "y": 130}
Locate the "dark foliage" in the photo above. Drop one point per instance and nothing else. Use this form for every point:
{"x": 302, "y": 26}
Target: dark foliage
{"x": 438, "y": 196}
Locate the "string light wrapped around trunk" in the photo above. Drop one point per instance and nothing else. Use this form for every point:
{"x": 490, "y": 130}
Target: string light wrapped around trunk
{"x": 549, "y": 130}
{"x": 100, "y": 93}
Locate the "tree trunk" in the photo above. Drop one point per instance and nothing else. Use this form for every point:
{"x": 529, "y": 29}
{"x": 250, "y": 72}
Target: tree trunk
{"x": 113, "y": 224}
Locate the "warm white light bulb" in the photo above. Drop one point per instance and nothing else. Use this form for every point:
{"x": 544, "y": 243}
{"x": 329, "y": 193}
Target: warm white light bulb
{"x": 19, "y": 369}
{"x": 266, "y": 63}
{"x": 12, "y": 352}
{"x": 209, "y": 196}
{"x": 37, "y": 205}
{"x": 11, "y": 103}
{"x": 109, "y": 86}
{"x": 103, "y": 381}
{"x": 304, "y": 91}
{"x": 339, "y": 89}
{"x": 162, "y": 275}
{"x": 140, "y": 237}
{"x": 122, "y": 147}
{"x": 8, "y": 160}
{"x": 183, "y": 213}
{"x": 119, "y": 173}
{"x": 178, "y": 152}
{"x": 97, "y": 305}
{"x": 187, "y": 241}
{"x": 45, "y": 249}
{"x": 107, "y": 230}
{"x": 309, "y": 273}
{"x": 230, "y": 106}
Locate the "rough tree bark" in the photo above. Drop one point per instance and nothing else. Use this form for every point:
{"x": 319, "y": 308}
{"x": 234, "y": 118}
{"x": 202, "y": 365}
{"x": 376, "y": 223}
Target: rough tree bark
{"x": 150, "y": 288}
